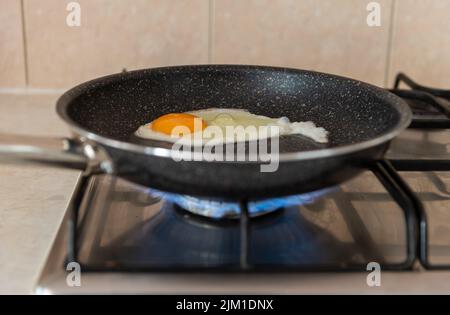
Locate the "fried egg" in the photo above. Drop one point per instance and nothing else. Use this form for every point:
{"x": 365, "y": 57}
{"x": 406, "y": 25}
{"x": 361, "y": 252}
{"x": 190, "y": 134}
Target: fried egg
{"x": 225, "y": 125}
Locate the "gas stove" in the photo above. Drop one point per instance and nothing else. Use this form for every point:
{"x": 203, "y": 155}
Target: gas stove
{"x": 130, "y": 239}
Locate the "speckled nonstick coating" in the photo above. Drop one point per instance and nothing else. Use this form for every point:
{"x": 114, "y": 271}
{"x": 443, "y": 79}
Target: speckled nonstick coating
{"x": 113, "y": 107}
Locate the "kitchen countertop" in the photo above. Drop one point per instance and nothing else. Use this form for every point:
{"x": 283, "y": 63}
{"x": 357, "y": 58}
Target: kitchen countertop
{"x": 33, "y": 199}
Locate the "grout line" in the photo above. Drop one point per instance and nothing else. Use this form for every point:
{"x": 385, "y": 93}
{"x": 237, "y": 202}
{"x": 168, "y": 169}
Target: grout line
{"x": 24, "y": 40}
{"x": 211, "y": 26}
{"x": 392, "y": 20}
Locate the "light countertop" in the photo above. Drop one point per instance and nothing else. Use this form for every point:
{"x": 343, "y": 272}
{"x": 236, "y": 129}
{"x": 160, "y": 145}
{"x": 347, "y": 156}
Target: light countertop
{"x": 33, "y": 199}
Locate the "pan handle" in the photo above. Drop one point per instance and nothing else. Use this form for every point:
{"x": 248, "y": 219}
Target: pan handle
{"x": 59, "y": 152}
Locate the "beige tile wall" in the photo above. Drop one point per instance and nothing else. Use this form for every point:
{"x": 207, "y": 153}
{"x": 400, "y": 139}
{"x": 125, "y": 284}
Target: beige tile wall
{"x": 421, "y": 41}
{"x": 324, "y": 35}
{"x": 12, "y": 61}
{"x": 114, "y": 34}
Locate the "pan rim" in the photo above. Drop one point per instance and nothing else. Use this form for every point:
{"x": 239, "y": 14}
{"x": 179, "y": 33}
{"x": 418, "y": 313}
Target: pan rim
{"x": 405, "y": 116}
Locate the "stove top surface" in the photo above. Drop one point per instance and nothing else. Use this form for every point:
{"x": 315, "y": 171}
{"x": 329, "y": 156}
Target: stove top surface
{"x": 131, "y": 240}
{"x": 358, "y": 223}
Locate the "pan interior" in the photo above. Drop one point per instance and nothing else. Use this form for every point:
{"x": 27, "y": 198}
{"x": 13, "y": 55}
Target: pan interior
{"x": 115, "y": 106}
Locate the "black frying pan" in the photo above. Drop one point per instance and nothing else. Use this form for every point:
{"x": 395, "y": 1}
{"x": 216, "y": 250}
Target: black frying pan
{"x": 104, "y": 113}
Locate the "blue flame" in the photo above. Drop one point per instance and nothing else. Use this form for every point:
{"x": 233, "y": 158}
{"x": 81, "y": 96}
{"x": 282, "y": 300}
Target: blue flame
{"x": 225, "y": 209}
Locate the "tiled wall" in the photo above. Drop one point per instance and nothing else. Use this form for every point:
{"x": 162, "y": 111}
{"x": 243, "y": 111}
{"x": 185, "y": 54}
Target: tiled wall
{"x": 39, "y": 50}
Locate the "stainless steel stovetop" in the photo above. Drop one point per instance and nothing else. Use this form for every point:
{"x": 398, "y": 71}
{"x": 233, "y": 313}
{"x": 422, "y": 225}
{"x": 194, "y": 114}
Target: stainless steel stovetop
{"x": 129, "y": 240}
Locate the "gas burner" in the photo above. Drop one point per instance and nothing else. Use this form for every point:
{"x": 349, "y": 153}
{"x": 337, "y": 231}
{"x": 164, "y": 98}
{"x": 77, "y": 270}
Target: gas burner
{"x": 218, "y": 209}
{"x": 171, "y": 238}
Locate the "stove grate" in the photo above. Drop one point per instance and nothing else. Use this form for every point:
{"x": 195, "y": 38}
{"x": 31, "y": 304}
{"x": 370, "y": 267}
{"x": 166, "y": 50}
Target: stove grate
{"x": 386, "y": 171}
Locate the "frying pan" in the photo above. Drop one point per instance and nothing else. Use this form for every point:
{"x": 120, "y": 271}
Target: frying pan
{"x": 104, "y": 113}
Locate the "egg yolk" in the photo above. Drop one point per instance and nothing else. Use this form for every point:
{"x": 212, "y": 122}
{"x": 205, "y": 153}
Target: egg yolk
{"x": 166, "y": 123}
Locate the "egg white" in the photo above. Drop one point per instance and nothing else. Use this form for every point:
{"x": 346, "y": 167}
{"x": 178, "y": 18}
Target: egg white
{"x": 219, "y": 119}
